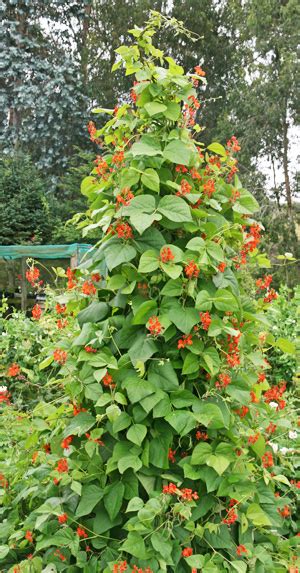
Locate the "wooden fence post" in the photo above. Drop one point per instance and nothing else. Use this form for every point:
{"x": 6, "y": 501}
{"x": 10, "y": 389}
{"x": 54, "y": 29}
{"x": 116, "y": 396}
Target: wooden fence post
{"x": 23, "y": 284}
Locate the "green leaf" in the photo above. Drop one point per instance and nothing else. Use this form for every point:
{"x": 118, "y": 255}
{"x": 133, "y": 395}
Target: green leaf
{"x": 118, "y": 253}
{"x": 200, "y": 453}
{"x": 196, "y": 561}
{"x": 196, "y": 244}
{"x": 135, "y": 545}
{"x": 212, "y": 360}
{"x": 142, "y": 349}
{"x": 182, "y": 421}
{"x": 175, "y": 209}
{"x": 137, "y": 433}
{"x": 173, "y": 111}
{"x": 257, "y": 515}
{"x": 135, "y": 504}
{"x": 217, "y": 148}
{"x": 131, "y": 461}
{"x": 163, "y": 376}
{"x": 286, "y": 345}
{"x": 191, "y": 364}
{"x": 138, "y": 389}
{"x": 204, "y": 300}
{"x": 218, "y": 463}
{"x": 147, "y": 145}
{"x": 80, "y": 424}
{"x": 122, "y": 422}
{"x": 95, "y": 312}
{"x": 149, "y": 262}
{"x": 215, "y": 251}
{"x": 172, "y": 288}
{"x": 4, "y": 550}
{"x": 46, "y": 362}
{"x": 184, "y": 318}
{"x": 91, "y": 495}
{"x": 239, "y": 566}
{"x": 155, "y": 107}
{"x": 225, "y": 300}
{"x": 162, "y": 545}
{"x": 145, "y": 310}
{"x": 113, "y": 499}
{"x": 150, "y": 179}
{"x": 178, "y": 152}
{"x": 246, "y": 204}
{"x": 173, "y": 271}
{"x": 210, "y": 415}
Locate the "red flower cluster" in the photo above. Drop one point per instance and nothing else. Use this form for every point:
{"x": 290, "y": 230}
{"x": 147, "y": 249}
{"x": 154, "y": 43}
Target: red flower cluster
{"x": 166, "y": 255}
{"x": 254, "y": 438}
{"x": 285, "y": 512}
{"x": 125, "y": 197}
{"x": 271, "y": 428}
{"x": 185, "y": 341}
{"x": 240, "y": 550}
{"x": 275, "y": 394}
{"x": 61, "y": 323}
{"x": 90, "y": 349}
{"x": 231, "y": 516}
{"x": 36, "y": 312}
{"x": 242, "y": 412}
{"x": 60, "y": 356}
{"x": 223, "y": 380}
{"x": 201, "y": 436}
{"x": 192, "y": 270}
{"x": 264, "y": 283}
{"x": 199, "y": 71}
{"x": 124, "y": 231}
{"x": 13, "y": 370}
{"x": 71, "y": 278}
{"x": 62, "y": 518}
{"x": 267, "y": 460}
{"x": 77, "y": 409}
{"x": 118, "y": 158}
{"x": 205, "y": 320}
{"x": 270, "y": 295}
{"x": 4, "y": 397}
{"x": 81, "y": 532}
{"x": 195, "y": 174}
{"x": 28, "y": 536}
{"x": 92, "y": 130}
{"x": 62, "y": 466}
{"x": 221, "y": 267}
{"x": 120, "y": 567}
{"x": 185, "y": 188}
{"x": 232, "y": 356}
{"x": 187, "y": 552}
{"x": 171, "y": 456}
{"x": 60, "y": 308}
{"x": 65, "y": 443}
{"x": 88, "y": 288}
{"x": 33, "y": 275}
{"x": 184, "y": 493}
{"x": 107, "y": 380}
{"x": 101, "y": 167}
{"x": 154, "y": 326}
{"x": 60, "y": 555}
{"x": 181, "y": 169}
{"x": 209, "y": 188}
{"x": 233, "y": 144}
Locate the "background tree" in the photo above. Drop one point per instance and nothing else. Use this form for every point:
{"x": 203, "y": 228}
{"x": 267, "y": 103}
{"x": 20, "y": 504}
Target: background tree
{"x": 25, "y": 214}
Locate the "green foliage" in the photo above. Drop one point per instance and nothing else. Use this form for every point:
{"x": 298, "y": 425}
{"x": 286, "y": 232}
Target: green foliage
{"x": 158, "y": 452}
{"x": 25, "y": 214}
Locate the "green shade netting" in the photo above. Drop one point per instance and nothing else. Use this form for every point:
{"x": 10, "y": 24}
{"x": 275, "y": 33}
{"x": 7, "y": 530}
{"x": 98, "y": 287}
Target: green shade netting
{"x": 44, "y": 251}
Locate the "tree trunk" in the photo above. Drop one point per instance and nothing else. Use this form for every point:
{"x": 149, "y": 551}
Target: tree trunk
{"x": 288, "y": 192}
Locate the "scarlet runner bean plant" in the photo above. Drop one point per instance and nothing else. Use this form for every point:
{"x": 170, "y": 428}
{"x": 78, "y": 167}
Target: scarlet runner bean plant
{"x": 159, "y": 460}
